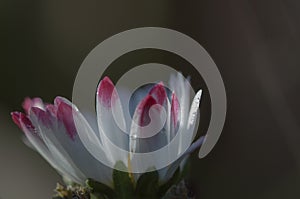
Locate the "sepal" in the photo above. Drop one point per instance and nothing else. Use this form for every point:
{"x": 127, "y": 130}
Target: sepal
{"x": 124, "y": 187}
{"x": 123, "y": 184}
{"x": 147, "y": 185}
{"x": 99, "y": 190}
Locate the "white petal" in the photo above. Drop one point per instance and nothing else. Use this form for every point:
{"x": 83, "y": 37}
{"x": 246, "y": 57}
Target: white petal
{"x": 58, "y": 153}
{"x": 84, "y": 148}
{"x": 182, "y": 90}
{"x": 111, "y": 120}
{"x": 188, "y": 134}
{"x": 147, "y": 133}
{"x": 42, "y": 148}
{"x": 193, "y": 115}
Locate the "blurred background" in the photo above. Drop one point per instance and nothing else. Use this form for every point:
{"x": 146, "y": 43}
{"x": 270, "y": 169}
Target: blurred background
{"x": 255, "y": 44}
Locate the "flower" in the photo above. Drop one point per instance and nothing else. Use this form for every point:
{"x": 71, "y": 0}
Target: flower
{"x": 63, "y": 136}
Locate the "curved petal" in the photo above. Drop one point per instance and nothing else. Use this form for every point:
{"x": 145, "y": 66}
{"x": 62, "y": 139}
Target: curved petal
{"x": 188, "y": 135}
{"x": 146, "y": 133}
{"x": 80, "y": 142}
{"x": 34, "y": 102}
{"x": 111, "y": 120}
{"x": 181, "y": 87}
{"x": 38, "y": 143}
{"x": 60, "y": 156}
{"x": 158, "y": 92}
{"x": 174, "y": 115}
{"x": 193, "y": 114}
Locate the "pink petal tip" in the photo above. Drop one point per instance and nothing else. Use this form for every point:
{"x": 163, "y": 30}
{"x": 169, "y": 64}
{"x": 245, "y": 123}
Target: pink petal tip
{"x": 143, "y": 110}
{"x": 106, "y": 93}
{"x": 65, "y": 115}
{"x": 159, "y": 93}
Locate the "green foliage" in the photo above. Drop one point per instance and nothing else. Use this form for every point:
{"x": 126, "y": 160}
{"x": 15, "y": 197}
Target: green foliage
{"x": 99, "y": 189}
{"x": 123, "y": 184}
{"x": 147, "y": 185}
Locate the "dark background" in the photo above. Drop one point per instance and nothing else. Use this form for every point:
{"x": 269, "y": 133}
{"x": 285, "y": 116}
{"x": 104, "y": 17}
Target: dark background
{"x": 255, "y": 44}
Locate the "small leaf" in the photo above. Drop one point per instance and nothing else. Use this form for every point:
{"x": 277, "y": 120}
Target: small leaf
{"x": 122, "y": 182}
{"x": 147, "y": 185}
{"x": 99, "y": 188}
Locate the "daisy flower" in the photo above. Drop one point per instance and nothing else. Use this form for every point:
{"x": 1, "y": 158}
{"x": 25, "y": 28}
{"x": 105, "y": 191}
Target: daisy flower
{"x": 64, "y": 137}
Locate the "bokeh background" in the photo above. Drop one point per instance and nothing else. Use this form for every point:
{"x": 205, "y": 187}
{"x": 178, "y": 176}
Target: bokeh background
{"x": 255, "y": 44}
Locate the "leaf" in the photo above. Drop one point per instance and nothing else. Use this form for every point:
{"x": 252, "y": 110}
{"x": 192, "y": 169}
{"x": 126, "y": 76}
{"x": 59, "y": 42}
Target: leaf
{"x": 99, "y": 188}
{"x": 122, "y": 182}
{"x": 147, "y": 185}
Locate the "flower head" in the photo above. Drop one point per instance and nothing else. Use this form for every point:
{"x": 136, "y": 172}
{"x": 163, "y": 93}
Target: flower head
{"x": 63, "y": 136}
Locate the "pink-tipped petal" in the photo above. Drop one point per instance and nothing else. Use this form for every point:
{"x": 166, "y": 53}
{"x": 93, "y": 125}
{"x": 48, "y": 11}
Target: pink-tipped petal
{"x": 175, "y": 115}
{"x": 51, "y": 109}
{"x": 174, "y": 109}
{"x": 181, "y": 87}
{"x": 27, "y": 104}
{"x": 44, "y": 117}
{"x": 65, "y": 115}
{"x": 25, "y": 122}
{"x": 111, "y": 121}
{"x": 58, "y": 100}
{"x": 148, "y": 121}
{"x": 143, "y": 108}
{"x": 105, "y": 93}
{"x": 34, "y": 102}
{"x": 158, "y": 92}
{"x": 16, "y": 118}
